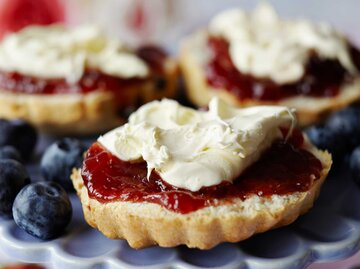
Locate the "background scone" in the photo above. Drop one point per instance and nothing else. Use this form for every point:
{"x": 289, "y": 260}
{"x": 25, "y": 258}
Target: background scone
{"x": 257, "y": 58}
{"x": 199, "y": 178}
{"x": 78, "y": 81}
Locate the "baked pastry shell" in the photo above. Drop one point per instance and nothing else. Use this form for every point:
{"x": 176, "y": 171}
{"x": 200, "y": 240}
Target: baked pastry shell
{"x": 144, "y": 224}
{"x": 194, "y": 54}
{"x": 82, "y": 114}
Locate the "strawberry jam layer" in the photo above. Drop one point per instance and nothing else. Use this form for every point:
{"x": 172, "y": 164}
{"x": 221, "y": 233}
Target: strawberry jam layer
{"x": 91, "y": 80}
{"x": 322, "y": 78}
{"x": 283, "y": 169}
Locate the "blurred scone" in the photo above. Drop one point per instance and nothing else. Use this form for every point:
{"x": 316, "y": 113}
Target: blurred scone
{"x": 78, "y": 81}
{"x": 174, "y": 175}
{"x": 257, "y": 58}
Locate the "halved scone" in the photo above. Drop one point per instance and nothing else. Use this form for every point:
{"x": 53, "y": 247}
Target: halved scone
{"x": 78, "y": 81}
{"x": 199, "y": 178}
{"x": 259, "y": 59}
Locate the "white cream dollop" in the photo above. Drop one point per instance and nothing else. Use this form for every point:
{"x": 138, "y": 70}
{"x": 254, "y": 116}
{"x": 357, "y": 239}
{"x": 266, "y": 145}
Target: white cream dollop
{"x": 263, "y": 45}
{"x": 56, "y": 52}
{"x": 192, "y": 149}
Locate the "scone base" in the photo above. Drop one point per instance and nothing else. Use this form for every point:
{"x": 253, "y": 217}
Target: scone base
{"x": 309, "y": 110}
{"x": 82, "y": 114}
{"x": 147, "y": 224}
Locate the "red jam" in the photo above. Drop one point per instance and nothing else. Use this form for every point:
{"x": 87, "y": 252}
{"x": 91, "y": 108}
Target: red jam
{"x": 154, "y": 56}
{"x": 322, "y": 78}
{"x": 283, "y": 169}
{"x": 90, "y": 81}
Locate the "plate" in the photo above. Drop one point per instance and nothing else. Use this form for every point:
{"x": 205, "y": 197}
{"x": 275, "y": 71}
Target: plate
{"x": 330, "y": 231}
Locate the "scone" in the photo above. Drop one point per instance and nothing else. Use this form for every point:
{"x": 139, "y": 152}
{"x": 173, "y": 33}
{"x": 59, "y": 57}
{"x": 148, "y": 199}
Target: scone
{"x": 259, "y": 59}
{"x": 174, "y": 175}
{"x": 78, "y": 81}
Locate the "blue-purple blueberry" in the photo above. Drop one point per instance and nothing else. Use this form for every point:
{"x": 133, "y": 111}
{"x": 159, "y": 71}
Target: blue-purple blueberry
{"x": 355, "y": 165}
{"x": 13, "y": 177}
{"x": 340, "y": 134}
{"x": 60, "y": 159}
{"x": 10, "y": 152}
{"x": 19, "y": 134}
{"x": 345, "y": 126}
{"x": 42, "y": 209}
{"x": 324, "y": 139}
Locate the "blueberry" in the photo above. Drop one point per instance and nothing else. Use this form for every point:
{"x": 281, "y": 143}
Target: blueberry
{"x": 355, "y": 165}
{"x": 42, "y": 209}
{"x": 13, "y": 177}
{"x": 19, "y": 134}
{"x": 59, "y": 160}
{"x": 9, "y": 152}
{"x": 345, "y": 125}
{"x": 324, "y": 139}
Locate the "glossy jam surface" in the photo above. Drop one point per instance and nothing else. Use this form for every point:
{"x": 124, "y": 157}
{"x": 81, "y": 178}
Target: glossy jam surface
{"x": 322, "y": 78}
{"x": 153, "y": 56}
{"x": 91, "y": 80}
{"x": 283, "y": 169}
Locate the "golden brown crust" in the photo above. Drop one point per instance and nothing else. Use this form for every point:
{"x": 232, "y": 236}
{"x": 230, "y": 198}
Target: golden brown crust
{"x": 145, "y": 224}
{"x": 193, "y": 56}
{"x": 82, "y": 114}
{"x": 66, "y": 114}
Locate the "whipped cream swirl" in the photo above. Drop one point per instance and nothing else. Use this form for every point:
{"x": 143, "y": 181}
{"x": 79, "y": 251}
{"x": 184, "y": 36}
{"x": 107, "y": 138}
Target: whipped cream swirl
{"x": 265, "y": 46}
{"x": 56, "y": 52}
{"x": 191, "y": 149}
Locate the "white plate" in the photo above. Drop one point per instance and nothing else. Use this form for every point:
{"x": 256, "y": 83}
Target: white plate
{"x": 330, "y": 231}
